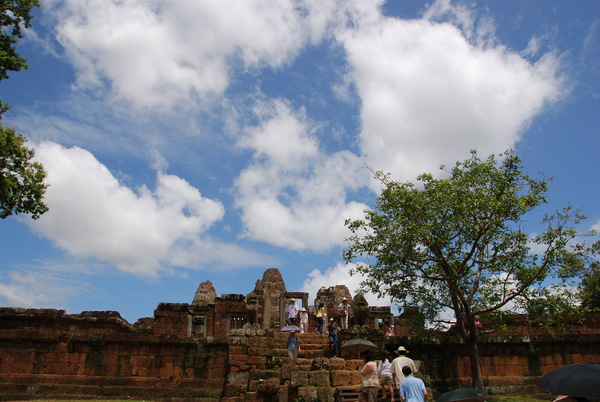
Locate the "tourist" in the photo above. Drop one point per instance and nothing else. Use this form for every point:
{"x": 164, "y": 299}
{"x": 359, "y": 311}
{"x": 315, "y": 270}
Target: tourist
{"x": 303, "y": 321}
{"x": 332, "y": 330}
{"x": 291, "y": 313}
{"x": 385, "y": 374}
{"x": 320, "y": 315}
{"x": 412, "y": 388}
{"x": 293, "y": 346}
{"x": 399, "y": 362}
{"x": 369, "y": 387}
{"x": 343, "y": 312}
{"x": 390, "y": 331}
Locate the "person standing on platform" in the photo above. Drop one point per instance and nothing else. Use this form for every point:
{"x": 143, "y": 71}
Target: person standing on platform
{"x": 343, "y": 312}
{"x": 303, "y": 321}
{"x": 292, "y": 312}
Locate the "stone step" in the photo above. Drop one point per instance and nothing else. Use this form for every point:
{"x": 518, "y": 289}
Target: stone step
{"x": 352, "y": 393}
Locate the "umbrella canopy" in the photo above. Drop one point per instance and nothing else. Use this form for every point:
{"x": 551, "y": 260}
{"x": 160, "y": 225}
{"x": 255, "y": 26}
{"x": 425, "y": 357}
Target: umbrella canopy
{"x": 464, "y": 394}
{"x": 290, "y": 328}
{"x": 358, "y": 345}
{"x": 575, "y": 380}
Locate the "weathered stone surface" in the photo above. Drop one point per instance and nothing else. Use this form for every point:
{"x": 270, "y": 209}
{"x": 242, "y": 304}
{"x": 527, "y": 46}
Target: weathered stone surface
{"x": 319, "y": 378}
{"x": 269, "y": 386}
{"x": 299, "y": 379}
{"x": 344, "y": 378}
{"x": 283, "y": 394}
{"x": 308, "y": 394}
{"x": 319, "y": 363}
{"x": 205, "y": 294}
{"x": 326, "y": 394}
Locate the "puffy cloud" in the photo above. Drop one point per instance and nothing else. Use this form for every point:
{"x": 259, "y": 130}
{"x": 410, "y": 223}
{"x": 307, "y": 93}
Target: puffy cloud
{"x": 339, "y": 274}
{"x": 92, "y": 215}
{"x": 292, "y": 194}
{"x": 155, "y": 53}
{"x": 430, "y": 94}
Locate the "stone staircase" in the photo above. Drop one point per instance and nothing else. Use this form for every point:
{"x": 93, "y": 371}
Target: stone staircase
{"x": 344, "y": 376}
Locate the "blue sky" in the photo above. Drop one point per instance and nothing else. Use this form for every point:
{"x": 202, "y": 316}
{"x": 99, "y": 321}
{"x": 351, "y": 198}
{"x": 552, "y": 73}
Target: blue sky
{"x": 190, "y": 141}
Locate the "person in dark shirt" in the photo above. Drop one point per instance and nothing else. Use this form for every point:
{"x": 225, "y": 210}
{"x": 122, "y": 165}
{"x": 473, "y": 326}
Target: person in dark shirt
{"x": 333, "y": 329}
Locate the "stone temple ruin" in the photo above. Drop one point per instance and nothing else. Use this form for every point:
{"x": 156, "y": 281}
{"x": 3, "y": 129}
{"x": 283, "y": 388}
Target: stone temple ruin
{"x": 229, "y": 348}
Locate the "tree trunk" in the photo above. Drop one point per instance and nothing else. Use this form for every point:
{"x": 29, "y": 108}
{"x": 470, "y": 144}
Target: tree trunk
{"x": 476, "y": 377}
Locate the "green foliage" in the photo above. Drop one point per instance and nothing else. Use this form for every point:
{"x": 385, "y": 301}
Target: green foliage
{"x": 22, "y": 185}
{"x": 458, "y": 243}
{"x": 15, "y": 15}
{"x": 590, "y": 294}
{"x": 21, "y": 180}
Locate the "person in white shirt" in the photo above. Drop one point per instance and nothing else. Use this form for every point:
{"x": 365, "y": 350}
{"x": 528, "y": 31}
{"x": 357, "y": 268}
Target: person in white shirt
{"x": 343, "y": 312}
{"x": 303, "y": 321}
{"x": 385, "y": 375}
{"x": 292, "y": 312}
{"x": 399, "y": 362}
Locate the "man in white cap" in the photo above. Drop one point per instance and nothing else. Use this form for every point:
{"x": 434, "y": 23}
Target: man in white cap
{"x": 291, "y": 312}
{"x": 399, "y": 362}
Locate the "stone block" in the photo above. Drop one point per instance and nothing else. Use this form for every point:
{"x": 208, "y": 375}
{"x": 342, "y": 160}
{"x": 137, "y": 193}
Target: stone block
{"x": 264, "y": 374}
{"x": 299, "y": 379}
{"x": 234, "y": 390}
{"x": 286, "y": 372}
{"x": 340, "y": 378}
{"x": 319, "y": 378}
{"x": 308, "y": 394}
{"x": 240, "y": 379}
{"x": 283, "y": 394}
{"x": 270, "y": 386}
{"x": 337, "y": 363}
{"x": 320, "y": 363}
{"x": 259, "y": 342}
{"x": 238, "y": 360}
{"x": 326, "y": 394}
{"x": 257, "y": 360}
{"x": 238, "y": 350}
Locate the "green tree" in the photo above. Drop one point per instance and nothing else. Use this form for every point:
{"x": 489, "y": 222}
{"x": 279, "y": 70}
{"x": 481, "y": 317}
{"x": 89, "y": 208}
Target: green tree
{"x": 21, "y": 180}
{"x": 16, "y": 14}
{"x": 22, "y": 185}
{"x": 457, "y": 244}
{"x": 590, "y": 293}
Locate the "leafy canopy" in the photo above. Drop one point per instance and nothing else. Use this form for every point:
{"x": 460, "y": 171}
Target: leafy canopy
{"x": 458, "y": 242}
{"x": 22, "y": 185}
{"x": 21, "y": 180}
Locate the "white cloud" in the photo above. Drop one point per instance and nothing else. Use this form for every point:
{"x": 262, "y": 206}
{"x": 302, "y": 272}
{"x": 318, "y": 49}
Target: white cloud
{"x": 292, "y": 194}
{"x": 92, "y": 215}
{"x": 429, "y": 94}
{"x": 160, "y": 52}
{"x": 339, "y": 274}
{"x": 29, "y": 289}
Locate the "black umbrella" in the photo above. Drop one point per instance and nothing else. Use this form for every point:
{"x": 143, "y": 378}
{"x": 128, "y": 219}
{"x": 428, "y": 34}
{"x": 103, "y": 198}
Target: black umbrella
{"x": 575, "y": 380}
{"x": 464, "y": 394}
{"x": 358, "y": 345}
